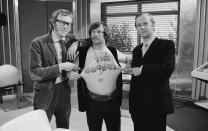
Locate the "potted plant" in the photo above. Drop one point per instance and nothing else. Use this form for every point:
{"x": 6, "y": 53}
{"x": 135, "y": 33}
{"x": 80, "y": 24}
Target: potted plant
{"x": 120, "y": 38}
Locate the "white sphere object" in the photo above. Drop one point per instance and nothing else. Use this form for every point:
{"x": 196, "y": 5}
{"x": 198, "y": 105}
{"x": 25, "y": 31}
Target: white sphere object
{"x": 9, "y": 75}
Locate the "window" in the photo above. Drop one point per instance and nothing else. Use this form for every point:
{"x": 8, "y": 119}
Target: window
{"x": 120, "y": 18}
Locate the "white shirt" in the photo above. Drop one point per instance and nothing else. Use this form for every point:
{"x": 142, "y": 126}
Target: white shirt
{"x": 58, "y": 48}
{"x": 146, "y": 45}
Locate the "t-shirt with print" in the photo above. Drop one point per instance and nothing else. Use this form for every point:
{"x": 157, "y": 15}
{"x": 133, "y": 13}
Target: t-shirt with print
{"x": 101, "y": 71}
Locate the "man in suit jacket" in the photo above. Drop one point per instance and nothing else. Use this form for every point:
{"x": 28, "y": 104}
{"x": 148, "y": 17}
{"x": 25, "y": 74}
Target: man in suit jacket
{"x": 48, "y": 68}
{"x": 153, "y": 63}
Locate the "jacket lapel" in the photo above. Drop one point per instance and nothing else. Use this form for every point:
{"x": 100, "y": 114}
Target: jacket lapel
{"x": 151, "y": 46}
{"x": 52, "y": 47}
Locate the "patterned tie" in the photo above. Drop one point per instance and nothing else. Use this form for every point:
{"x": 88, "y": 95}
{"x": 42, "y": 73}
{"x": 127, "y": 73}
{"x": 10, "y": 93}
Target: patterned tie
{"x": 144, "y": 48}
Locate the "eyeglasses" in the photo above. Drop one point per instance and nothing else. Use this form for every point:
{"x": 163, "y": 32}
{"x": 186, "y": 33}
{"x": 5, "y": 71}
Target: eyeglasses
{"x": 63, "y": 23}
{"x": 98, "y": 32}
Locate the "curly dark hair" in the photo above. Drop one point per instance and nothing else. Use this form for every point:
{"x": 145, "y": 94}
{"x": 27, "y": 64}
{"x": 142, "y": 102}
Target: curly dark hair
{"x": 95, "y": 25}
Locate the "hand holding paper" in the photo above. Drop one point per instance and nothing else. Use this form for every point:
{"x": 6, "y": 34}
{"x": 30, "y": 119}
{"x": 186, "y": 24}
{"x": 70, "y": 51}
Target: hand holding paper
{"x": 136, "y": 71}
{"x": 73, "y": 75}
{"x": 68, "y": 66}
{"x": 127, "y": 69}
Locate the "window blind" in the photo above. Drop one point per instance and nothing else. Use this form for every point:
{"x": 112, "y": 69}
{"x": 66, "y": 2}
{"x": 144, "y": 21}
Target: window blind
{"x": 166, "y": 15}
{"x": 163, "y": 6}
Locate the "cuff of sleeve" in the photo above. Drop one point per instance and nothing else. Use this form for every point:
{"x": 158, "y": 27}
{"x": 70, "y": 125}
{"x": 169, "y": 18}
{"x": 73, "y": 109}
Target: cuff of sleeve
{"x": 60, "y": 67}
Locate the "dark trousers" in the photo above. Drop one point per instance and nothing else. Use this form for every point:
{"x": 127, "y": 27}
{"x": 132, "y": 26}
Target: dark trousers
{"x": 109, "y": 111}
{"x": 147, "y": 122}
{"x": 60, "y": 105}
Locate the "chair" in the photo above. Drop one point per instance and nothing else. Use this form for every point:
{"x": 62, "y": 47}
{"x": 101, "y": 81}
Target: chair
{"x": 18, "y": 91}
{"x": 32, "y": 121}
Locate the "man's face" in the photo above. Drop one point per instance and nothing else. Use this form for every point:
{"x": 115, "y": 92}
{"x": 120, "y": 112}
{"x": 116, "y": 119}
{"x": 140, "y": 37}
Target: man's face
{"x": 97, "y": 35}
{"x": 144, "y": 26}
{"x": 62, "y": 25}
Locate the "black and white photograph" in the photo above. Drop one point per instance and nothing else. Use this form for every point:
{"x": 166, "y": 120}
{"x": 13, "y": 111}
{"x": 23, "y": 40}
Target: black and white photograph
{"x": 103, "y": 65}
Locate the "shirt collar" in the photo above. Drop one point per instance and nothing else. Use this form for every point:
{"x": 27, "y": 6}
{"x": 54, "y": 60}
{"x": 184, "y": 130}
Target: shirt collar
{"x": 55, "y": 38}
{"x": 149, "y": 41}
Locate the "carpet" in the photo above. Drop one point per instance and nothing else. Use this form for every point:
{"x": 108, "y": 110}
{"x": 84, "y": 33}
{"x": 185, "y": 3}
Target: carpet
{"x": 188, "y": 116}
{"x": 11, "y": 105}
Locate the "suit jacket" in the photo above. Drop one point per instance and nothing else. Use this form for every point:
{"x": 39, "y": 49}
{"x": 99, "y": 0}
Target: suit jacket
{"x": 44, "y": 69}
{"x": 150, "y": 91}
{"x": 83, "y": 95}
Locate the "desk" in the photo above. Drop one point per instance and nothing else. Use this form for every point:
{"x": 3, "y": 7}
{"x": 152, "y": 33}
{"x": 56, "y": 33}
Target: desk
{"x": 18, "y": 90}
{"x": 202, "y": 76}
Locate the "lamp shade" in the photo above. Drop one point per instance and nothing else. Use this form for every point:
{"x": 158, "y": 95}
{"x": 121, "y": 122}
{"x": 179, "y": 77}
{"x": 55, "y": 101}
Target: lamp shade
{"x": 9, "y": 75}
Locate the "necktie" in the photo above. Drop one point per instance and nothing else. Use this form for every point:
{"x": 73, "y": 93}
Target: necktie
{"x": 144, "y": 48}
{"x": 63, "y": 47}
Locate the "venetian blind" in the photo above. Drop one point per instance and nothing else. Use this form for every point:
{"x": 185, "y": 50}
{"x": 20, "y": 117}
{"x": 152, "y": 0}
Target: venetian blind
{"x": 166, "y": 15}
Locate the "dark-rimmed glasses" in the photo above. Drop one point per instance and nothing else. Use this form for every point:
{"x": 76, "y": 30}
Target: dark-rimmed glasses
{"x": 63, "y": 23}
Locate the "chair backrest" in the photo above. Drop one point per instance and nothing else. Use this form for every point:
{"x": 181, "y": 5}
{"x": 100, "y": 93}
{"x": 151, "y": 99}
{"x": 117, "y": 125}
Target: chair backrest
{"x": 32, "y": 121}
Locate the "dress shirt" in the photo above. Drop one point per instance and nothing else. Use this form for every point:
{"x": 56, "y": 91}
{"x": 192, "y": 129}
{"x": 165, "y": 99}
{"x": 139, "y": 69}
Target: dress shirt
{"x": 146, "y": 45}
{"x": 58, "y": 48}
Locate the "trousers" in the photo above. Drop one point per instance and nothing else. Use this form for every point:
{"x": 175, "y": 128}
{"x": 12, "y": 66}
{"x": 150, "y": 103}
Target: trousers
{"x": 148, "y": 122}
{"x": 109, "y": 111}
{"x": 60, "y": 105}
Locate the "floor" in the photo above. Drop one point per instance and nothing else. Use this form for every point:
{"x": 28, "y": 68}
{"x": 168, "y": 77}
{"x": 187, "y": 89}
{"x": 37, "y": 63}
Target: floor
{"x": 77, "y": 119}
